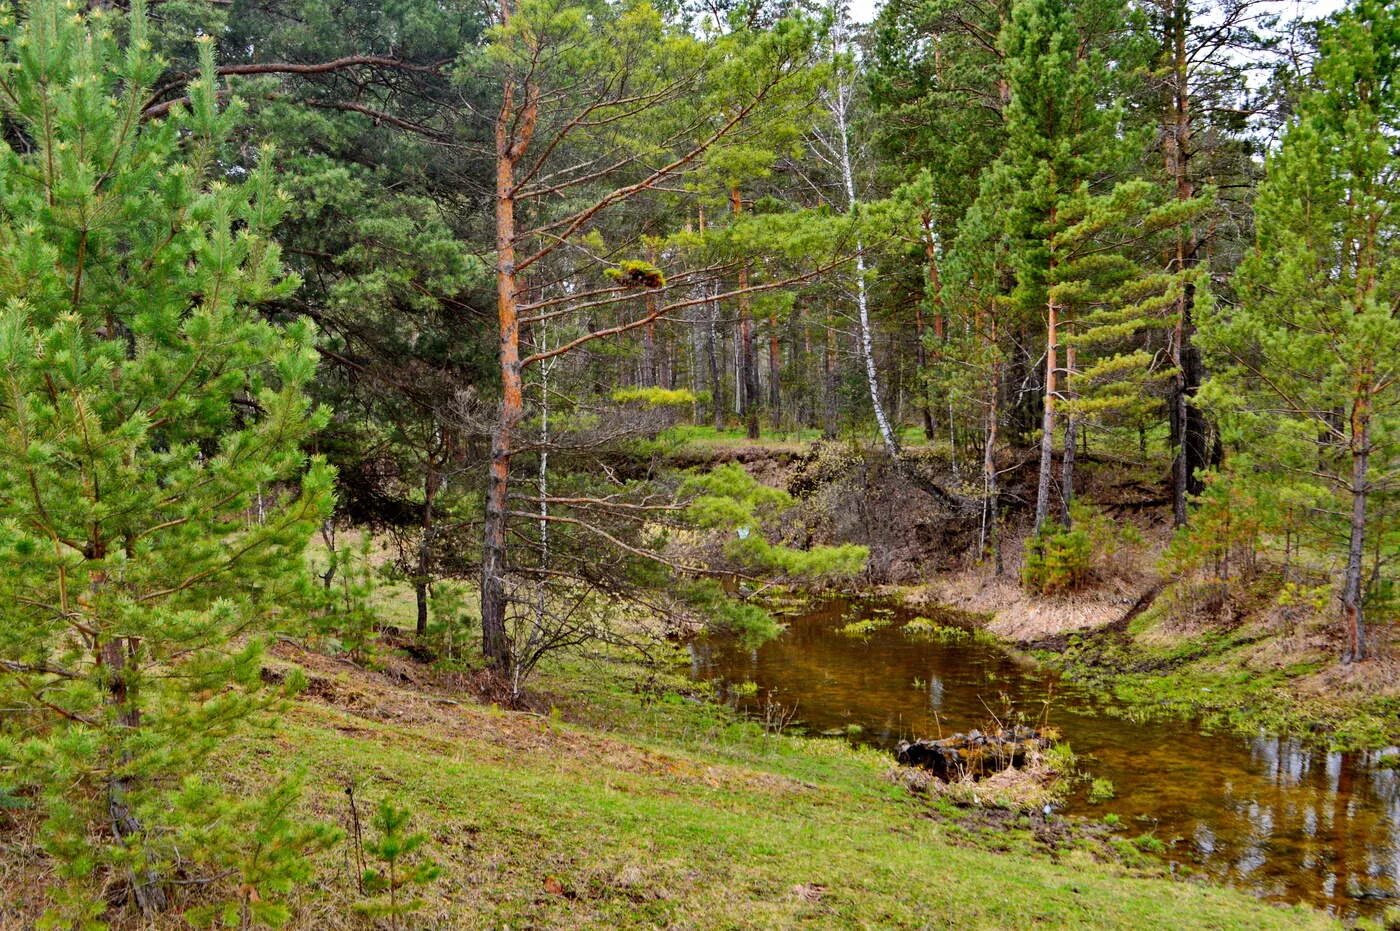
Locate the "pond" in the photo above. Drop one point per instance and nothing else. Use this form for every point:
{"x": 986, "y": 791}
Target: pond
{"x": 1266, "y": 814}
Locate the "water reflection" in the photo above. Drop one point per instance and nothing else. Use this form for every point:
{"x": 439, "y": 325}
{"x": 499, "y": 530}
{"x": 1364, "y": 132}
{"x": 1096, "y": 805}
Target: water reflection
{"x": 1265, "y": 814}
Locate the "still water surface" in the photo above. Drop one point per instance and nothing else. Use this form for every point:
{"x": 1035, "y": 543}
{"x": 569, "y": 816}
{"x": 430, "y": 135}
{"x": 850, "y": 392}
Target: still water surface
{"x": 1265, "y": 814}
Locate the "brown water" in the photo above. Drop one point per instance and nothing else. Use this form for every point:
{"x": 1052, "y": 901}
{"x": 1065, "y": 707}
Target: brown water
{"x": 1265, "y": 814}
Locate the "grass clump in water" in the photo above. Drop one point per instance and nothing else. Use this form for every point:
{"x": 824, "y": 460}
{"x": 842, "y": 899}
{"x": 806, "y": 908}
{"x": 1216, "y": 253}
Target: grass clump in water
{"x": 863, "y": 628}
{"x": 926, "y": 628}
{"x": 1101, "y": 790}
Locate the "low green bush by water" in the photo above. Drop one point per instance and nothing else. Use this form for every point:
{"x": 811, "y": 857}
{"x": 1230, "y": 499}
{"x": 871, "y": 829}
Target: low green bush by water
{"x": 1057, "y": 560}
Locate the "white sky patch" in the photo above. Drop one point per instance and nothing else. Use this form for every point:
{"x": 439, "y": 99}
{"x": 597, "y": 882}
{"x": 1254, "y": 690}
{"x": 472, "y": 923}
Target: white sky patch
{"x": 863, "y": 11}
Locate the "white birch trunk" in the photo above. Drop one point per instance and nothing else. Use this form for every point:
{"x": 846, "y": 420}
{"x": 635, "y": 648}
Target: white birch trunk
{"x": 840, "y": 104}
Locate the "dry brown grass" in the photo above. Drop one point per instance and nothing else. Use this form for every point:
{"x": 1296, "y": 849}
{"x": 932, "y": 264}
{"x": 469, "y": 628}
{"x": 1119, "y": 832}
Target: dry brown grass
{"x": 403, "y": 693}
{"x": 1023, "y": 617}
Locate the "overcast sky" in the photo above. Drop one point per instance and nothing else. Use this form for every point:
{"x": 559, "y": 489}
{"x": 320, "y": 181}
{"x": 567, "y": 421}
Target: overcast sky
{"x": 862, "y": 11}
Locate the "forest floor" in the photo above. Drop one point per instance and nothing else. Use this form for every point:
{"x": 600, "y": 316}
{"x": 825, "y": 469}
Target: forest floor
{"x": 631, "y": 801}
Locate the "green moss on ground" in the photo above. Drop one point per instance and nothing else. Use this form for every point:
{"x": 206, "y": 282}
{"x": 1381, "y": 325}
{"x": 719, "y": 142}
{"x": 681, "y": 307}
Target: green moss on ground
{"x": 1249, "y": 674}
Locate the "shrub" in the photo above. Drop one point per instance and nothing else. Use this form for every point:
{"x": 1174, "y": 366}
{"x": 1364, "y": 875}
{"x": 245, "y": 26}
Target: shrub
{"x": 654, "y": 397}
{"x": 1057, "y": 560}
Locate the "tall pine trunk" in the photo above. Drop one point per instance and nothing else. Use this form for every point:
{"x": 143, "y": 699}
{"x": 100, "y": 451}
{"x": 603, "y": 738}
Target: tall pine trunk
{"x": 1188, "y": 425}
{"x": 712, "y": 363}
{"x": 713, "y": 352}
{"x": 991, "y": 484}
{"x": 652, "y": 362}
{"x": 748, "y": 366}
{"x": 1071, "y": 438}
{"x": 829, "y": 421}
{"x": 920, "y": 374}
{"x": 146, "y": 889}
{"x": 775, "y": 372}
{"x": 1356, "y": 544}
{"x": 650, "y": 369}
{"x": 511, "y": 142}
{"x": 935, "y": 293}
{"x": 1047, "y": 427}
{"x": 804, "y": 414}
{"x": 431, "y": 484}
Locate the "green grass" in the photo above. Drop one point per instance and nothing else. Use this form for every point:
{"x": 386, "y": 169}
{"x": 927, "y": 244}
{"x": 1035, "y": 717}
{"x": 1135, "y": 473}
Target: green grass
{"x": 632, "y": 805}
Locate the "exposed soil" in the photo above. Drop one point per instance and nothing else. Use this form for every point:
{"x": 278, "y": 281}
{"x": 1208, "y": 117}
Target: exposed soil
{"x": 927, "y": 547}
{"x": 848, "y": 495}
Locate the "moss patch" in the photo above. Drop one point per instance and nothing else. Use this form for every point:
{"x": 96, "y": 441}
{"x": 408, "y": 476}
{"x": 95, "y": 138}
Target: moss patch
{"x": 1241, "y": 668}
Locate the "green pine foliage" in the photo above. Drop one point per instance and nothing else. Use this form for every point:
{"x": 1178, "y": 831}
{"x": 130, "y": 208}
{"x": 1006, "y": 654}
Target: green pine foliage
{"x": 747, "y": 622}
{"x": 933, "y": 78}
{"x": 1307, "y": 366}
{"x": 1063, "y": 65}
{"x": 263, "y": 840}
{"x": 1061, "y": 559}
{"x": 1118, "y": 294}
{"x": 1064, "y": 245}
{"x": 729, "y": 503}
{"x": 403, "y": 865}
{"x": 730, "y": 500}
{"x": 155, "y": 499}
{"x": 1057, "y": 559}
{"x": 347, "y": 620}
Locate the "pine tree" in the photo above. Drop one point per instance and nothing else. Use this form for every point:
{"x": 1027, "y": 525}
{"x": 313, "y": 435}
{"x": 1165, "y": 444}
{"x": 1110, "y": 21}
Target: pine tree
{"x": 1058, "y": 235}
{"x": 576, "y": 161}
{"x": 403, "y": 865}
{"x": 1309, "y": 362}
{"x": 1114, "y": 290}
{"x": 1062, "y": 131}
{"x": 1206, "y": 52}
{"x": 144, "y": 408}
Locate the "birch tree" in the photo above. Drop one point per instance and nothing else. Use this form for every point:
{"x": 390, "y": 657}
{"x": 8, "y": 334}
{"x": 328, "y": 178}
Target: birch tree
{"x": 836, "y": 147}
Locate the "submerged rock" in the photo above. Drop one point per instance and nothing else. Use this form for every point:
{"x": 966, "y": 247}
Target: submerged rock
{"x": 973, "y": 754}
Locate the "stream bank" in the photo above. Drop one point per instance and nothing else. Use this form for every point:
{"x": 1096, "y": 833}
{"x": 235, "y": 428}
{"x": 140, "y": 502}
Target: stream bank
{"x": 1267, "y": 813}
{"x": 1235, "y": 659}
{"x": 1231, "y": 655}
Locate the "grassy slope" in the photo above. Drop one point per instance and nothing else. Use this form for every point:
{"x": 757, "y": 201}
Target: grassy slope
{"x": 681, "y": 817}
